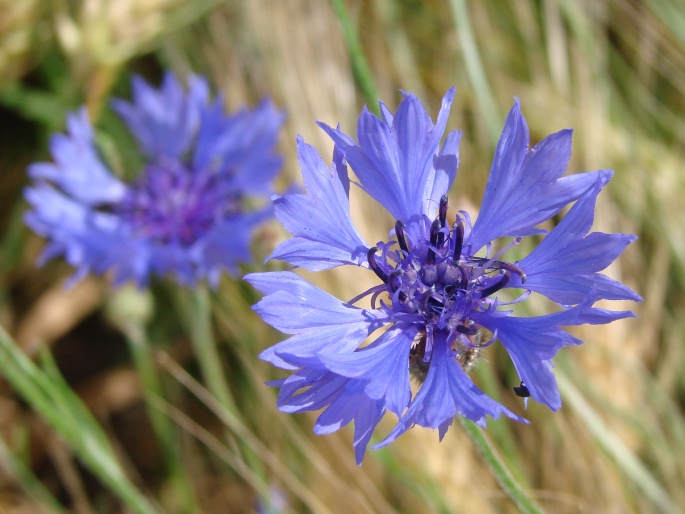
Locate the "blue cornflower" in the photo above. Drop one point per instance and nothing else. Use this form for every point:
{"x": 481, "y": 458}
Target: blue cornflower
{"x": 187, "y": 214}
{"x": 437, "y": 304}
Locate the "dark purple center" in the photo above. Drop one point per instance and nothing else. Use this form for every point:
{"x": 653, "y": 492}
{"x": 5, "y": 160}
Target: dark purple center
{"x": 172, "y": 204}
{"x": 439, "y": 283}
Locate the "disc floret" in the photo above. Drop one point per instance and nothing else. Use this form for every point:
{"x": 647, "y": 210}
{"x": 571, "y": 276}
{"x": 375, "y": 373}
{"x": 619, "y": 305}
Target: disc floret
{"x": 442, "y": 284}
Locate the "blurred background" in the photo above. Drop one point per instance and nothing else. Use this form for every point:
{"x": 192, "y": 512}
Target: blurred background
{"x": 613, "y": 70}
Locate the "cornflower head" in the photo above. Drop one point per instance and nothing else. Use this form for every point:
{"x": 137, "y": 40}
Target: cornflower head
{"x": 438, "y": 301}
{"x": 188, "y": 212}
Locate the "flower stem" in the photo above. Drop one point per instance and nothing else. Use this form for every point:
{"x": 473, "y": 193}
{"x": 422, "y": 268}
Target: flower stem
{"x": 167, "y": 435}
{"x": 209, "y": 359}
{"x": 206, "y": 348}
{"x": 506, "y": 481}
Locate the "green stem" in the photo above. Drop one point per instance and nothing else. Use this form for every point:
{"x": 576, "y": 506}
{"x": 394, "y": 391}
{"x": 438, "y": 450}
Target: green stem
{"x": 164, "y": 430}
{"x": 206, "y": 349}
{"x": 360, "y": 67}
{"x": 506, "y": 481}
{"x": 209, "y": 359}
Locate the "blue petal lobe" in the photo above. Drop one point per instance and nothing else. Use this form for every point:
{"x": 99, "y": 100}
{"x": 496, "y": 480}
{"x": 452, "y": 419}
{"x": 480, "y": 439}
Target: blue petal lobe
{"x": 383, "y": 364}
{"x": 565, "y": 265}
{"x": 324, "y": 235}
{"x": 446, "y": 392}
{"x": 394, "y": 163}
{"x": 77, "y": 169}
{"x": 321, "y": 321}
{"x": 526, "y": 188}
{"x": 164, "y": 120}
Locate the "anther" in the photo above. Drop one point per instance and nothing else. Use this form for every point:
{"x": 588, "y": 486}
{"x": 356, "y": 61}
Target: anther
{"x": 442, "y": 212}
{"x": 371, "y": 256}
{"x": 499, "y": 283}
{"x": 464, "y": 277}
{"x": 513, "y": 268}
{"x": 399, "y": 232}
{"x": 434, "y": 237}
{"x": 458, "y": 240}
{"x": 489, "y": 263}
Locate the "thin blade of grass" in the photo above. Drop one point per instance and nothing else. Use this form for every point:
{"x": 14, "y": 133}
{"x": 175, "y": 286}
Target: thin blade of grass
{"x": 46, "y": 391}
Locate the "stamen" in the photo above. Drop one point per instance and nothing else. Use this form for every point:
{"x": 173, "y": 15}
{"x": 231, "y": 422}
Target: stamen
{"x": 499, "y": 283}
{"x": 442, "y": 212}
{"x": 521, "y": 298}
{"x": 394, "y": 280}
{"x": 490, "y": 341}
{"x": 458, "y": 240}
{"x": 464, "y": 277}
{"x": 371, "y": 256}
{"x": 375, "y": 297}
{"x": 399, "y": 232}
{"x": 488, "y": 263}
{"x": 468, "y": 342}
{"x": 435, "y": 305}
{"x": 435, "y": 231}
{"x": 513, "y": 268}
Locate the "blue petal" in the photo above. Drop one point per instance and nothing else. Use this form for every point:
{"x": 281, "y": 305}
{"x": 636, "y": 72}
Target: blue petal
{"x": 352, "y": 405}
{"x": 316, "y": 256}
{"x": 240, "y": 146}
{"x": 383, "y": 365}
{"x": 418, "y": 141}
{"x": 394, "y": 163}
{"x": 164, "y": 120}
{"x": 324, "y": 235}
{"x": 342, "y": 398}
{"x": 443, "y": 173}
{"x": 321, "y": 321}
{"x": 225, "y": 245}
{"x": 78, "y": 169}
{"x": 339, "y": 165}
{"x": 375, "y": 161}
{"x": 84, "y": 237}
{"x": 446, "y": 392}
{"x": 526, "y": 188}
{"x": 533, "y": 342}
{"x": 308, "y": 346}
{"x": 565, "y": 265}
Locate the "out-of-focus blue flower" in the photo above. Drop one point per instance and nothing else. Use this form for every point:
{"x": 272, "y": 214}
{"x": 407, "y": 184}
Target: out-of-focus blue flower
{"x": 438, "y": 303}
{"x": 187, "y": 214}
